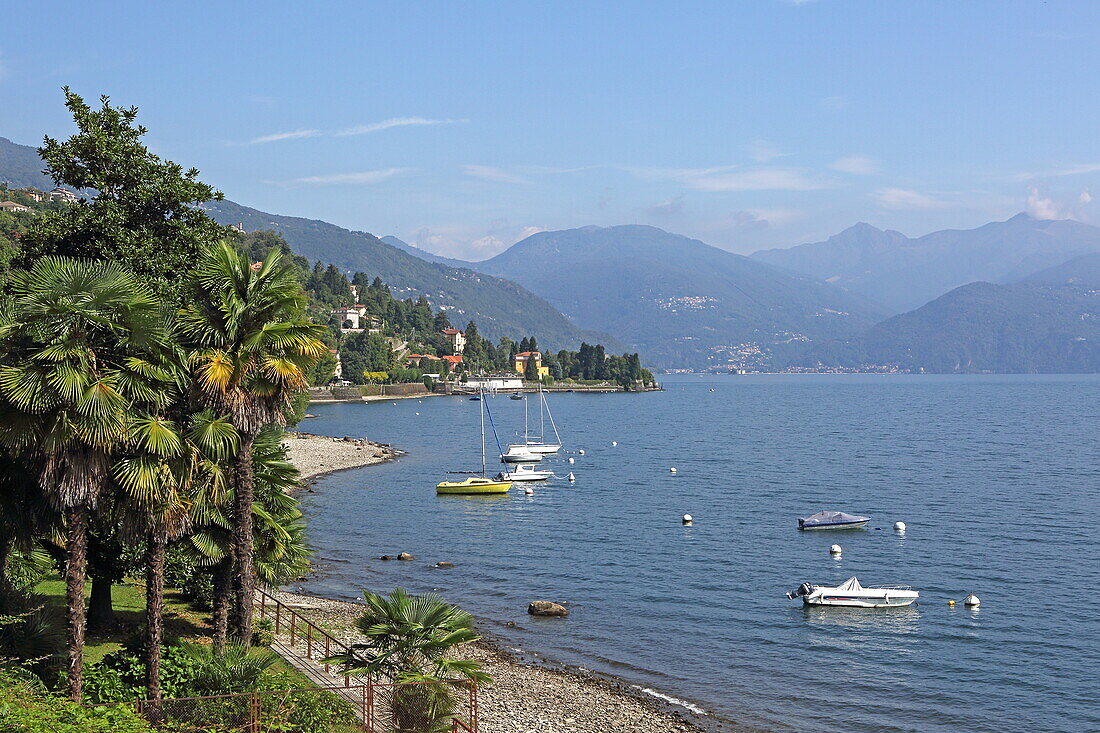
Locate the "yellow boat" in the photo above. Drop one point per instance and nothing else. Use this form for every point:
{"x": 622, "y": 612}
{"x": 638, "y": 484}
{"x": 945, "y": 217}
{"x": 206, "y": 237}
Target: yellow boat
{"x": 477, "y": 484}
{"x": 473, "y": 485}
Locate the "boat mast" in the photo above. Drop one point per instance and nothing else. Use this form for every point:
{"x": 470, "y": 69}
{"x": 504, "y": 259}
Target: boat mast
{"x": 557, "y": 438}
{"x": 542, "y": 415}
{"x": 526, "y": 439}
{"x": 482, "y": 411}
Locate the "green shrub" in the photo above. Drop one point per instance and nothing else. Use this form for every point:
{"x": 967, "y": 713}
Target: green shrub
{"x": 120, "y": 676}
{"x": 263, "y": 633}
{"x": 25, "y": 707}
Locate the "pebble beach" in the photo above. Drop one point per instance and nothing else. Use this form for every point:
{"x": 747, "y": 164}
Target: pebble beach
{"x": 533, "y": 698}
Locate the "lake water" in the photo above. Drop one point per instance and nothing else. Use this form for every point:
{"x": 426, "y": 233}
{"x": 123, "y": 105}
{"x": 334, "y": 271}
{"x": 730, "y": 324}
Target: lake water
{"x": 997, "y": 478}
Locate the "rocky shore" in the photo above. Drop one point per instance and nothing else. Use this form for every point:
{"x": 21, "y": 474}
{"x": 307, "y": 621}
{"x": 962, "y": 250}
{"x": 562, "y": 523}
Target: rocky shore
{"x": 534, "y": 698}
{"x": 316, "y": 455}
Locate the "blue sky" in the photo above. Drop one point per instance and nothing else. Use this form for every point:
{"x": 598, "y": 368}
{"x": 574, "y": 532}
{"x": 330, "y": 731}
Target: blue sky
{"x": 463, "y": 126}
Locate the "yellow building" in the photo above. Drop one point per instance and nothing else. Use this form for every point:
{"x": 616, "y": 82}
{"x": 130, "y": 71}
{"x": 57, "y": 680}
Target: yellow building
{"x": 521, "y": 362}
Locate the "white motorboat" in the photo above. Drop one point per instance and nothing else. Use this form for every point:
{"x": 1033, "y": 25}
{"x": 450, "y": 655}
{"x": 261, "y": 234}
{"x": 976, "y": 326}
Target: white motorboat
{"x": 520, "y": 454}
{"x": 832, "y": 520}
{"x": 851, "y": 593}
{"x": 524, "y": 472}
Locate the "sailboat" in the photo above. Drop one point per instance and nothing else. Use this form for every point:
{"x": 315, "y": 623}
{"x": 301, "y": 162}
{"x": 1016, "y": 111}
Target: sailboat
{"x": 477, "y": 484}
{"x": 538, "y": 444}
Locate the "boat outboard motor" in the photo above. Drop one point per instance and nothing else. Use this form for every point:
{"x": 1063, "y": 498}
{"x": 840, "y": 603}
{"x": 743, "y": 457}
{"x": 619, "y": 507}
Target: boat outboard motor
{"x": 803, "y": 590}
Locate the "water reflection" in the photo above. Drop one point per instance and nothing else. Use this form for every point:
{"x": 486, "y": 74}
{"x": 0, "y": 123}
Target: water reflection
{"x": 904, "y": 620}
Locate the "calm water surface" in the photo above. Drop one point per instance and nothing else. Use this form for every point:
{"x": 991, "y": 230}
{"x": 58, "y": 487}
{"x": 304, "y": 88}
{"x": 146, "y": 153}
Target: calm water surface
{"x": 997, "y": 478}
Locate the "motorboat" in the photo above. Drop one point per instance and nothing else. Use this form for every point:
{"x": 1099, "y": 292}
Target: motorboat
{"x": 851, "y": 593}
{"x": 524, "y": 472}
{"x": 832, "y": 520}
{"x": 516, "y": 396}
{"x": 478, "y": 484}
{"x": 473, "y": 485}
{"x": 520, "y": 454}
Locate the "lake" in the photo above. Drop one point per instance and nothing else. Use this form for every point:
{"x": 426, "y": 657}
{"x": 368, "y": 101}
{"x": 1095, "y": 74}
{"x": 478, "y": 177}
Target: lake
{"x": 997, "y": 478}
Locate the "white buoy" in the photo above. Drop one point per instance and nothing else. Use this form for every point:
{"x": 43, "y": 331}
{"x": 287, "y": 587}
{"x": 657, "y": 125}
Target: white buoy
{"x": 395, "y": 404}
{"x": 672, "y": 470}
{"x": 581, "y": 451}
{"x": 570, "y": 459}
{"x": 613, "y": 444}
{"x": 528, "y": 491}
{"x": 834, "y": 550}
{"x": 972, "y": 600}
{"x": 572, "y": 477}
{"x": 686, "y": 519}
{"x": 899, "y": 526}
{"x": 418, "y": 413}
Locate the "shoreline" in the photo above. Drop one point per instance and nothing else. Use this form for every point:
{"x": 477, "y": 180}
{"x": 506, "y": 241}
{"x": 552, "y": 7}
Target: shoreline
{"x": 318, "y": 455}
{"x": 538, "y": 694}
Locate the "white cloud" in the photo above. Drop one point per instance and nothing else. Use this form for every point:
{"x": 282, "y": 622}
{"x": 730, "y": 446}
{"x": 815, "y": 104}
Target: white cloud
{"x": 1046, "y": 207}
{"x": 275, "y": 137}
{"x": 834, "y": 103}
{"x": 669, "y": 208}
{"x": 393, "y": 122}
{"x": 905, "y": 199}
{"x": 763, "y": 151}
{"x": 1042, "y": 207}
{"x": 859, "y": 165}
{"x": 358, "y": 179}
{"x": 492, "y": 173}
{"x": 732, "y": 178}
{"x": 471, "y": 242}
{"x": 1069, "y": 170}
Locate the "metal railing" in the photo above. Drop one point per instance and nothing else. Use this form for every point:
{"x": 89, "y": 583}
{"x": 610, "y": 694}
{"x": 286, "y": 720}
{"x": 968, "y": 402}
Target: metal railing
{"x": 290, "y": 622}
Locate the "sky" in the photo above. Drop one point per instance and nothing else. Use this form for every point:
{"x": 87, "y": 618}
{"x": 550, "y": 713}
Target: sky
{"x": 462, "y": 127}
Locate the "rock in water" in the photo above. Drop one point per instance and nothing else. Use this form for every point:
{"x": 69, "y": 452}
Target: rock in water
{"x": 546, "y": 608}
{"x": 405, "y": 556}
{"x": 444, "y": 564}
{"x": 385, "y": 557}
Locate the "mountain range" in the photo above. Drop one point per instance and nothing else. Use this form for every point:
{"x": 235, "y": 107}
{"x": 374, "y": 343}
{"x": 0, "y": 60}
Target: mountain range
{"x": 902, "y": 273}
{"x": 499, "y": 307}
{"x": 678, "y": 300}
{"x": 1015, "y": 295}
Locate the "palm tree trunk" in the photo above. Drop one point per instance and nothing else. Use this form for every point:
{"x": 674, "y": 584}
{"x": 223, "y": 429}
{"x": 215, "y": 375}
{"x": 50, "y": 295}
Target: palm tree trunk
{"x": 77, "y": 549}
{"x": 223, "y": 589}
{"x": 154, "y": 611}
{"x": 245, "y": 574}
{"x": 100, "y": 611}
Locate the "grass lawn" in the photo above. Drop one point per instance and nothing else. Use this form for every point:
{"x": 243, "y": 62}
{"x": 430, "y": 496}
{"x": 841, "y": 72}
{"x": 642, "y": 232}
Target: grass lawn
{"x": 181, "y": 620}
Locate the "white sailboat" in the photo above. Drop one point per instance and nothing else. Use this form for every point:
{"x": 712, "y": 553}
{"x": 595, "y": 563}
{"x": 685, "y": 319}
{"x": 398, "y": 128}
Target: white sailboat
{"x": 538, "y": 444}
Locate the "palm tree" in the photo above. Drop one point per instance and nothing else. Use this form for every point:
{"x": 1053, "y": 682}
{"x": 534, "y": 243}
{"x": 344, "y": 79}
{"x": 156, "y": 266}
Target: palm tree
{"x": 80, "y": 344}
{"x": 252, "y": 351}
{"x": 409, "y": 640}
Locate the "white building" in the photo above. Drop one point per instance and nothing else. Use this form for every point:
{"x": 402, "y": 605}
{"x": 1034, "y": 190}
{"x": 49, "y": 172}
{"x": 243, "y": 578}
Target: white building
{"x": 493, "y": 384}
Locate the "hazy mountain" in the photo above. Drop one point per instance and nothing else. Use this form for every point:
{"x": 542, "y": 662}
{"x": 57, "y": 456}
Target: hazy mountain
{"x": 678, "y": 300}
{"x": 423, "y": 254}
{"x": 983, "y": 327}
{"x": 20, "y": 166}
{"x": 1083, "y": 271}
{"x": 499, "y": 307}
{"x": 903, "y": 273}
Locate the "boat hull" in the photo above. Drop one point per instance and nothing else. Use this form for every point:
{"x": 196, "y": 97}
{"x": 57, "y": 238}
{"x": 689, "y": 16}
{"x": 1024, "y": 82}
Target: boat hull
{"x": 512, "y": 457}
{"x": 528, "y": 476}
{"x": 473, "y": 486}
{"x": 833, "y": 526}
{"x": 860, "y": 600}
{"x": 537, "y": 448}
